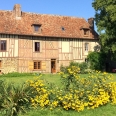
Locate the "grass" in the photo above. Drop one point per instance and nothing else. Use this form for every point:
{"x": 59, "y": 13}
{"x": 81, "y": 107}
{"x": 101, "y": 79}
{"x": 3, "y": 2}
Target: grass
{"x": 17, "y": 79}
{"x": 107, "y": 110}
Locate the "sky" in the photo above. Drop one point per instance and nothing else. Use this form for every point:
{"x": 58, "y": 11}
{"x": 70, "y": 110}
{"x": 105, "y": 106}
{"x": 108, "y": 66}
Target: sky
{"x": 75, "y": 8}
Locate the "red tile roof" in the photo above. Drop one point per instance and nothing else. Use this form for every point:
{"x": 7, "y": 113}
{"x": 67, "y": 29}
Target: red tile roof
{"x": 51, "y": 25}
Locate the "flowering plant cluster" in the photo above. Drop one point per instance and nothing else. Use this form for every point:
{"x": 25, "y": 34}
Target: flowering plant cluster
{"x": 78, "y": 92}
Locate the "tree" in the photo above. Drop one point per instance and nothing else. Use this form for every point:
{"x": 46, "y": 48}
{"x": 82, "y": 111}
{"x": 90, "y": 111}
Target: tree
{"x": 105, "y": 18}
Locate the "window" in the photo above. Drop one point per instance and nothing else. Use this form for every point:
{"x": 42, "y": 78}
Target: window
{"x": 37, "y": 28}
{"x": 3, "y": 45}
{"x": 86, "y": 46}
{"x": 37, "y": 65}
{"x": 63, "y": 29}
{"x": 37, "y": 46}
{"x": 86, "y": 32}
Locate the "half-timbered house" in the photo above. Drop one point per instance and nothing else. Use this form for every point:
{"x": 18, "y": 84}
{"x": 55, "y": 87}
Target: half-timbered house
{"x": 32, "y": 42}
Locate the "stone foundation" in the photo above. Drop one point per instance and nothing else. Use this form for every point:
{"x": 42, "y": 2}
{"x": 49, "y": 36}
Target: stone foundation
{"x": 8, "y": 65}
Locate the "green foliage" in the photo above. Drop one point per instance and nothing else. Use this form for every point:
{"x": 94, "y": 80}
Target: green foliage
{"x": 90, "y": 92}
{"x": 96, "y": 60}
{"x": 68, "y": 77}
{"x": 63, "y": 68}
{"x": 74, "y": 64}
{"x": 83, "y": 66}
{"x": 100, "y": 111}
{"x": 13, "y": 99}
{"x": 16, "y": 74}
{"x": 78, "y": 93}
{"x": 105, "y": 18}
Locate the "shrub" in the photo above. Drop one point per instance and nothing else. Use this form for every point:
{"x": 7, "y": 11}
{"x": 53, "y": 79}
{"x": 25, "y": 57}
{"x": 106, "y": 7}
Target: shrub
{"x": 13, "y": 99}
{"x": 89, "y": 92}
{"x": 63, "y": 68}
{"x": 83, "y": 66}
{"x": 72, "y": 63}
{"x": 96, "y": 60}
{"x": 77, "y": 94}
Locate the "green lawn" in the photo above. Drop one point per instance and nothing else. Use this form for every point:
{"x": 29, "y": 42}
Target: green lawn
{"x": 50, "y": 78}
{"x": 108, "y": 110}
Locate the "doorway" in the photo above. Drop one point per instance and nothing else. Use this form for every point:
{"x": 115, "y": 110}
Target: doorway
{"x": 53, "y": 65}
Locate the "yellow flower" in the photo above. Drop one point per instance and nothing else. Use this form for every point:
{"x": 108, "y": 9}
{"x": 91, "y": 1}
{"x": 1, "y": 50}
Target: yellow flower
{"x": 51, "y": 108}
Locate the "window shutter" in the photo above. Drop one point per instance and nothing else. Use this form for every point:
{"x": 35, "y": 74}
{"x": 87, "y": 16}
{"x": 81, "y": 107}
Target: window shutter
{"x": 30, "y": 65}
{"x": 43, "y": 65}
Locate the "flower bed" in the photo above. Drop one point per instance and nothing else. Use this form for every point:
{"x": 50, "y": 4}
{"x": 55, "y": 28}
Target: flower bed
{"x": 78, "y": 93}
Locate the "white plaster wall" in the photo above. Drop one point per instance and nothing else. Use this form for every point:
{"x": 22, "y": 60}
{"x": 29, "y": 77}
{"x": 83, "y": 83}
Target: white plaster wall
{"x": 16, "y": 48}
{"x": 65, "y": 46}
{"x": 93, "y": 44}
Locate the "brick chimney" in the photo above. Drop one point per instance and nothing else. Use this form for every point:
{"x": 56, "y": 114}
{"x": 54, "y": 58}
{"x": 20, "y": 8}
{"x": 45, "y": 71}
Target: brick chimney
{"x": 91, "y": 22}
{"x": 17, "y": 10}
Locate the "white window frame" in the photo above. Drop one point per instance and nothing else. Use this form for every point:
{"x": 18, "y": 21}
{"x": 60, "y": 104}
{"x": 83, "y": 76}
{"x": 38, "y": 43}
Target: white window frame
{"x": 40, "y": 50}
{"x": 86, "y": 47}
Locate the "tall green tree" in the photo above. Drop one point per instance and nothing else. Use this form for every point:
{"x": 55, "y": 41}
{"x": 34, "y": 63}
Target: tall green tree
{"x": 105, "y": 18}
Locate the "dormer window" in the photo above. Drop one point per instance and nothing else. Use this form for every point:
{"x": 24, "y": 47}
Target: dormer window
{"x": 86, "y": 32}
{"x": 37, "y": 28}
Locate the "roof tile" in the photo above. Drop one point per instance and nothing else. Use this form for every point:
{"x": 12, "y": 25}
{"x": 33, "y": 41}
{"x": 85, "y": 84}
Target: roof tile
{"x": 51, "y": 25}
